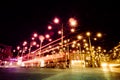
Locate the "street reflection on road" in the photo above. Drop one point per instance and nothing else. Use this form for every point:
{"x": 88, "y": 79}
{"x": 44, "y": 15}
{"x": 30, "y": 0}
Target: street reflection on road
{"x": 59, "y": 74}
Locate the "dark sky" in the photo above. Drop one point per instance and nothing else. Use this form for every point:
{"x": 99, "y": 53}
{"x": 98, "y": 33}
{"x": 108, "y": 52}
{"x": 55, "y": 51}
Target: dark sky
{"x": 19, "y": 19}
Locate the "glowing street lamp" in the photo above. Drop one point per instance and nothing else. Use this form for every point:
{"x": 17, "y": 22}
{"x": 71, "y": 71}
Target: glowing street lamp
{"x": 41, "y": 38}
{"x": 72, "y": 30}
{"x": 91, "y": 53}
{"x": 99, "y": 34}
{"x": 79, "y": 37}
{"x": 91, "y": 50}
{"x": 14, "y": 50}
{"x": 73, "y": 22}
{"x": 47, "y": 36}
{"x": 18, "y": 47}
{"x": 49, "y": 27}
{"x": 50, "y": 40}
{"x": 33, "y": 38}
{"x": 56, "y": 20}
{"x": 37, "y": 45}
{"x": 24, "y": 44}
{"x": 88, "y": 33}
{"x": 35, "y": 34}
{"x": 34, "y": 43}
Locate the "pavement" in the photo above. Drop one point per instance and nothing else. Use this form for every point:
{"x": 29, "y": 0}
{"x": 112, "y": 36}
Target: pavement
{"x": 59, "y": 74}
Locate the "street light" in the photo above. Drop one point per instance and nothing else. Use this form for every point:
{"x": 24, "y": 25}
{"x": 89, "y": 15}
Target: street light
{"x": 91, "y": 50}
{"x": 72, "y": 23}
{"x": 18, "y": 48}
{"x": 56, "y": 20}
{"x": 79, "y": 37}
{"x": 72, "y": 30}
{"x": 47, "y": 36}
{"x": 89, "y": 34}
{"x": 41, "y": 38}
{"x": 49, "y": 27}
{"x": 99, "y": 34}
{"x": 91, "y": 54}
{"x": 24, "y": 44}
{"x": 35, "y": 34}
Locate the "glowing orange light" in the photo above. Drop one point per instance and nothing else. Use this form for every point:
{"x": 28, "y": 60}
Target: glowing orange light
{"x": 72, "y": 30}
{"x": 73, "y": 22}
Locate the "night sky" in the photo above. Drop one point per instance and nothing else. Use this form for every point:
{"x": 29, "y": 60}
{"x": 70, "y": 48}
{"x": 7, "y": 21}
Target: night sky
{"x": 19, "y": 19}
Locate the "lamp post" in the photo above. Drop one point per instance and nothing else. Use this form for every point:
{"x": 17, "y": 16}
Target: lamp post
{"x": 91, "y": 50}
{"x": 18, "y": 48}
{"x": 33, "y": 43}
{"x": 90, "y": 47}
{"x": 72, "y": 23}
{"x": 41, "y": 38}
{"x": 79, "y": 37}
{"x": 24, "y": 44}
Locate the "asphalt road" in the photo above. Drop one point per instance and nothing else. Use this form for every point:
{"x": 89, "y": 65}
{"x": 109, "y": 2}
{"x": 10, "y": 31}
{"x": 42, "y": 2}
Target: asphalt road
{"x": 59, "y": 74}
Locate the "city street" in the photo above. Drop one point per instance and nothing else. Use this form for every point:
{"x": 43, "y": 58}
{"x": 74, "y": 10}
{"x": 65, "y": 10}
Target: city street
{"x": 59, "y": 74}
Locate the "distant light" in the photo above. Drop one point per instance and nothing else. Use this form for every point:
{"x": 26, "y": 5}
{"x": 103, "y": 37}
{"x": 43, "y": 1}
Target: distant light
{"x": 79, "y": 37}
{"x": 59, "y": 32}
{"x": 24, "y": 43}
{"x": 18, "y": 47}
{"x": 78, "y": 44}
{"x": 33, "y": 38}
{"x": 37, "y": 45}
{"x": 72, "y": 30}
{"x": 88, "y": 33}
{"x": 56, "y": 20}
{"x": 95, "y": 39}
{"x": 34, "y": 43}
{"x": 84, "y": 40}
{"x": 26, "y": 48}
{"x": 50, "y": 39}
{"x": 49, "y": 27}
{"x": 65, "y": 41}
{"x": 14, "y": 50}
{"x": 35, "y": 34}
{"x": 73, "y": 45}
{"x": 50, "y": 46}
{"x": 74, "y": 42}
{"x": 99, "y": 35}
{"x": 47, "y": 36}
{"x": 73, "y": 22}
